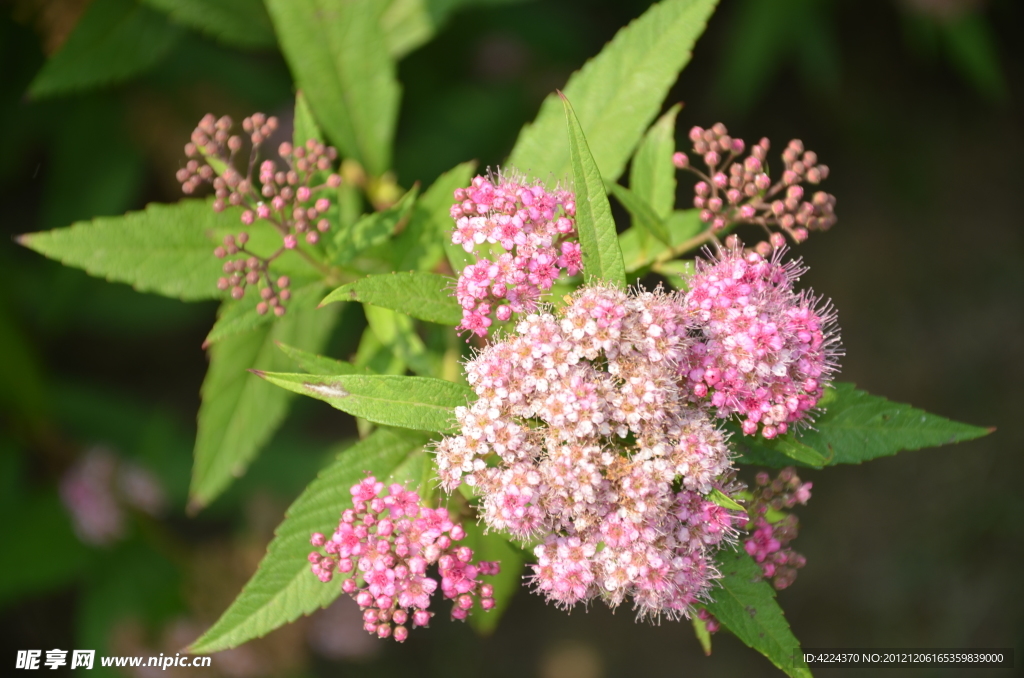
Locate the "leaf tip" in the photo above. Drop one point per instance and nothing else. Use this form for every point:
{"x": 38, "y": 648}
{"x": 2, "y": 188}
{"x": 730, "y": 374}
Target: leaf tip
{"x": 25, "y": 239}
{"x": 259, "y": 373}
{"x": 194, "y": 506}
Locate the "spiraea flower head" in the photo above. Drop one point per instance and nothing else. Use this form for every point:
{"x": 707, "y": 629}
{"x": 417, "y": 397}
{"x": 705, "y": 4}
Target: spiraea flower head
{"x": 582, "y": 437}
{"x": 384, "y": 546}
{"x": 534, "y": 227}
{"x": 739, "y": 190}
{"x": 762, "y": 351}
{"x": 293, "y": 197}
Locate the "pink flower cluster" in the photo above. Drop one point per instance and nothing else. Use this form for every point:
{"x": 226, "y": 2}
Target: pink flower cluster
{"x": 768, "y": 542}
{"x": 580, "y": 436}
{"x": 388, "y": 540}
{"x": 533, "y": 226}
{"x": 764, "y": 352}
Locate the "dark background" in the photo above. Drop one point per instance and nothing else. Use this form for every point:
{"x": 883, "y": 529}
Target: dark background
{"x": 915, "y": 106}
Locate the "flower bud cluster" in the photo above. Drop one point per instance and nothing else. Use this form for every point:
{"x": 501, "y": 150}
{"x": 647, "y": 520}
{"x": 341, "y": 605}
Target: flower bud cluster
{"x": 769, "y": 539}
{"x": 534, "y": 226}
{"x": 290, "y": 198}
{"x": 581, "y": 436}
{"x": 762, "y": 351}
{"x": 385, "y": 543}
{"x": 740, "y": 190}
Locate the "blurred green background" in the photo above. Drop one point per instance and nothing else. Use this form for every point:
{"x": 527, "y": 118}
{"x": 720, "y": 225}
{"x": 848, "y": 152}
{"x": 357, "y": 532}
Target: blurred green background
{"x": 916, "y": 105}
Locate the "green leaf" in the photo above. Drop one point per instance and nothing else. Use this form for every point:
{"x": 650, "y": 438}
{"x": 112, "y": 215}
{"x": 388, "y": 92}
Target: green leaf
{"x": 746, "y": 605}
{"x": 166, "y": 249}
{"x": 398, "y": 334}
{"x": 419, "y": 403}
{"x": 237, "y": 317}
{"x": 305, "y": 127}
{"x": 113, "y": 41}
{"x": 373, "y": 229}
{"x": 724, "y": 500}
{"x": 617, "y": 93}
{"x": 858, "y": 426}
{"x": 490, "y": 547}
{"x": 602, "y": 258}
{"x": 426, "y": 296}
{"x": 642, "y": 213}
{"x": 421, "y": 245}
{"x": 700, "y": 629}
{"x": 318, "y": 364}
{"x": 240, "y": 23}
{"x": 283, "y": 588}
{"x": 338, "y": 56}
{"x": 652, "y": 176}
{"x": 240, "y": 413}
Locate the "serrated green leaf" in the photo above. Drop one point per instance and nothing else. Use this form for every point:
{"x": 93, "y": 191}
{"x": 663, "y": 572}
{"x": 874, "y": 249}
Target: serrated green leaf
{"x": 419, "y": 403}
{"x": 858, "y": 426}
{"x": 398, "y": 334}
{"x": 426, "y": 296}
{"x": 599, "y": 244}
{"x": 240, "y": 23}
{"x": 652, "y": 176}
{"x": 724, "y": 500}
{"x": 642, "y": 213}
{"x": 113, "y": 41}
{"x": 491, "y": 547}
{"x": 166, "y": 249}
{"x": 421, "y": 245}
{"x": 237, "y": 317}
{"x": 239, "y": 412}
{"x": 338, "y": 56}
{"x": 283, "y": 588}
{"x": 373, "y": 229}
{"x": 617, "y": 93}
{"x": 745, "y": 604}
{"x": 318, "y": 364}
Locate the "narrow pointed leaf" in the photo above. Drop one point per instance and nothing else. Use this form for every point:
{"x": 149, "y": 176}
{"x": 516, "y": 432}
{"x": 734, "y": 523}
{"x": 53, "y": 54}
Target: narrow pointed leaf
{"x": 338, "y": 56}
{"x": 419, "y": 403}
{"x": 318, "y": 364}
{"x": 113, "y": 41}
{"x": 700, "y": 629}
{"x": 240, "y": 413}
{"x": 426, "y": 296}
{"x": 599, "y": 243}
{"x": 652, "y": 176}
{"x": 745, "y": 604}
{"x": 373, "y": 229}
{"x": 617, "y": 93}
{"x": 283, "y": 588}
{"x": 305, "y": 127}
{"x": 166, "y": 249}
{"x": 724, "y": 500}
{"x": 642, "y": 213}
{"x": 240, "y": 23}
